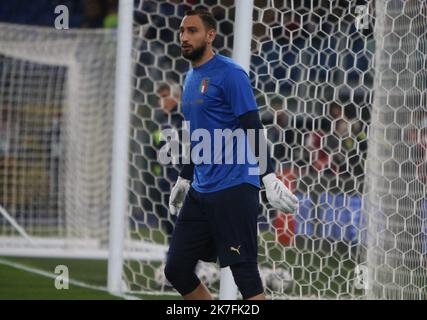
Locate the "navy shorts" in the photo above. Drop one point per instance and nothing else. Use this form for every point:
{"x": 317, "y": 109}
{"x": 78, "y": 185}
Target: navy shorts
{"x": 218, "y": 225}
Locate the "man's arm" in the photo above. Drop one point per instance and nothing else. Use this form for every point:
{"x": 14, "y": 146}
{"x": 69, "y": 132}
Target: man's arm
{"x": 181, "y": 187}
{"x": 278, "y": 195}
{"x": 251, "y": 120}
{"x": 187, "y": 171}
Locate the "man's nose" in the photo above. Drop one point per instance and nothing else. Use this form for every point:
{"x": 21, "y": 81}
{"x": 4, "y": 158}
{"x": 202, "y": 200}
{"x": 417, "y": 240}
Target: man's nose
{"x": 184, "y": 37}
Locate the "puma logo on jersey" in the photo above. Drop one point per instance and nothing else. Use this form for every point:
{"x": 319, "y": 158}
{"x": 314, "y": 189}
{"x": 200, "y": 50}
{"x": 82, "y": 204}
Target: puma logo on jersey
{"x": 235, "y": 249}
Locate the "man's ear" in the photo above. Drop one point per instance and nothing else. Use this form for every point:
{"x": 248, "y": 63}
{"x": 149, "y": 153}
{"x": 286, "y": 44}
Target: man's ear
{"x": 211, "y": 36}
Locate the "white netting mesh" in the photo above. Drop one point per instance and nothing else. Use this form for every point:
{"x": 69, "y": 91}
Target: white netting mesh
{"x": 312, "y": 69}
{"x": 158, "y": 74}
{"x": 396, "y": 171}
{"x": 56, "y": 103}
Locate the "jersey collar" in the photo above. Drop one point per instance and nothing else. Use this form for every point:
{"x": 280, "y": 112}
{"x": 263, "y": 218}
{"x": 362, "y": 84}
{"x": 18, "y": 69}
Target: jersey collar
{"x": 206, "y": 64}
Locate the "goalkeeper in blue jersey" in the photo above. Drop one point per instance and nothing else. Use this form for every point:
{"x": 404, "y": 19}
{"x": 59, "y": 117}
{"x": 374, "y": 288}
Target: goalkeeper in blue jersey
{"x": 218, "y": 203}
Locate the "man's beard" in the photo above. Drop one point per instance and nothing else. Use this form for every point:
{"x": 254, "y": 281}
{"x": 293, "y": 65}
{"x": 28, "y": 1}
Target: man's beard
{"x": 195, "y": 54}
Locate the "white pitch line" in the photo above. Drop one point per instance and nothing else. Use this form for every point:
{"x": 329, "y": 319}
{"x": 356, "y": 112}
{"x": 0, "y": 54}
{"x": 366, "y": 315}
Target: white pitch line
{"x": 71, "y": 281}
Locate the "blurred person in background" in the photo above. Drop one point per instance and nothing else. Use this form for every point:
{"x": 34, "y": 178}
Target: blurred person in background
{"x": 168, "y": 117}
{"x": 100, "y": 14}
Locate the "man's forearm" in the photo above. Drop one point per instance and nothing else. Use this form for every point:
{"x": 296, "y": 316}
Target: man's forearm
{"x": 187, "y": 171}
{"x": 251, "y": 120}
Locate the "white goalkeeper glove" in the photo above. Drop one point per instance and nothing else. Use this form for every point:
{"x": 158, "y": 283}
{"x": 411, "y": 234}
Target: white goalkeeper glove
{"x": 278, "y": 195}
{"x": 178, "y": 193}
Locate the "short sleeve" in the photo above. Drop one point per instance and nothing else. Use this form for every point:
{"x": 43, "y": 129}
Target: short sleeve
{"x": 238, "y": 92}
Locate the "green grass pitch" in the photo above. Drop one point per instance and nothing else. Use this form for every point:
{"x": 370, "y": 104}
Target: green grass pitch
{"x": 18, "y": 284}
{"x": 337, "y": 272}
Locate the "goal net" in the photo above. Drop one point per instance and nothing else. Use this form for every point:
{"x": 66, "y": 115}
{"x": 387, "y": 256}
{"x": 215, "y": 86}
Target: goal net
{"x": 56, "y": 111}
{"x": 397, "y": 160}
{"x": 322, "y": 72}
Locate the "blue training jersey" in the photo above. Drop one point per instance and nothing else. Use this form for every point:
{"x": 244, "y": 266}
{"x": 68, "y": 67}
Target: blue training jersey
{"x": 215, "y": 94}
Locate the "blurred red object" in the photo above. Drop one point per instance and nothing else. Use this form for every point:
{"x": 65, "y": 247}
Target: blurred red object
{"x": 288, "y": 178}
{"x": 285, "y": 225}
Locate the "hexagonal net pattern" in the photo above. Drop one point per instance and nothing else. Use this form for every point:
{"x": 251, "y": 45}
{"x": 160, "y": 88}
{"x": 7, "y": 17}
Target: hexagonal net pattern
{"x": 312, "y": 71}
{"x": 313, "y": 75}
{"x": 56, "y": 115}
{"x": 396, "y": 166}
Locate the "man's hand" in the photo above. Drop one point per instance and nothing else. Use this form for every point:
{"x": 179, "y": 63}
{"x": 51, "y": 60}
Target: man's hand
{"x": 278, "y": 195}
{"x": 178, "y": 193}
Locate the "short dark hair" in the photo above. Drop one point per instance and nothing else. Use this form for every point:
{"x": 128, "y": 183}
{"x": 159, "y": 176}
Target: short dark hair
{"x": 207, "y": 18}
